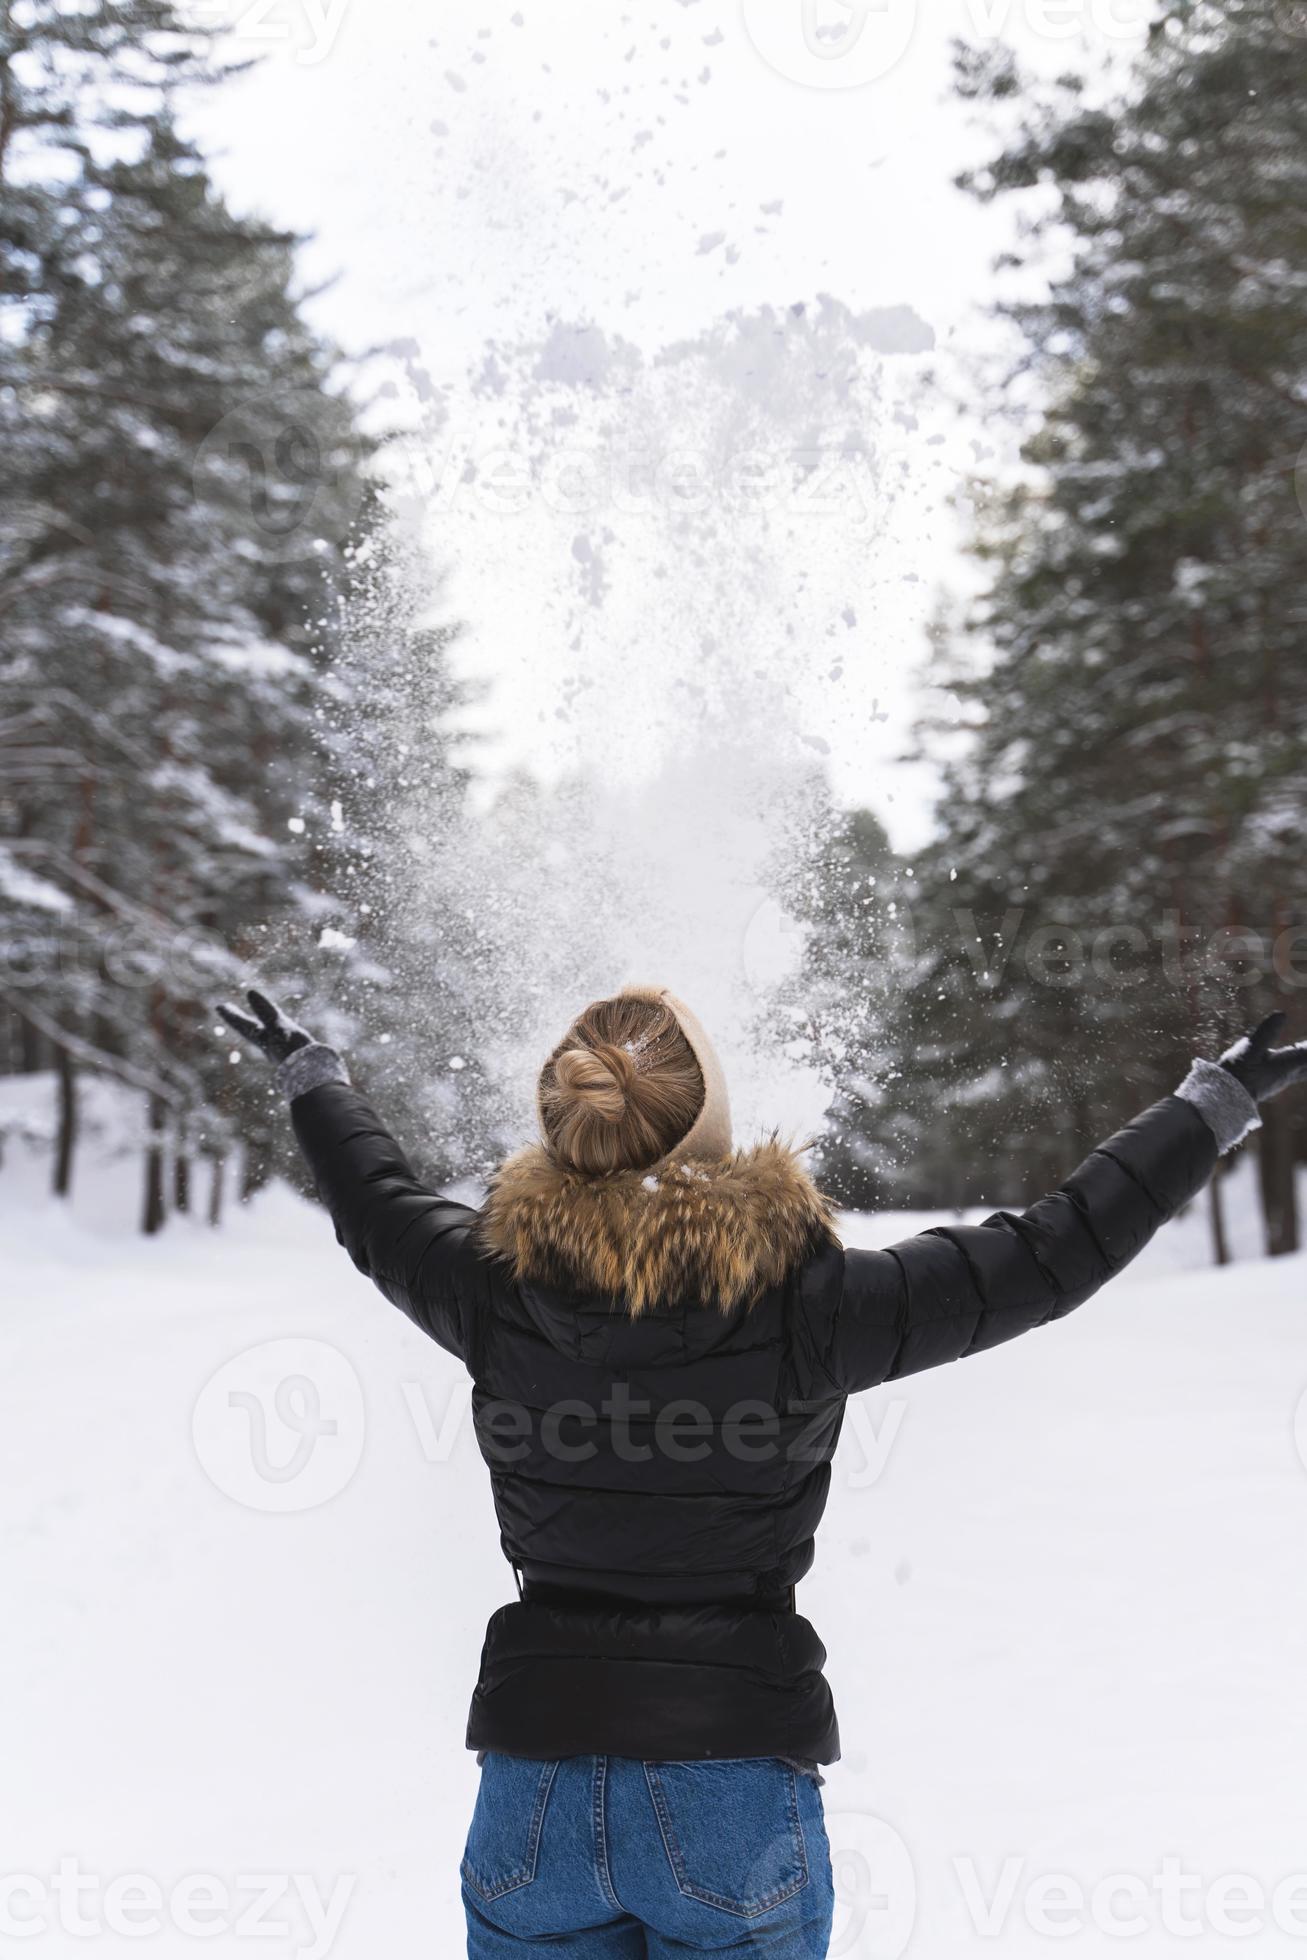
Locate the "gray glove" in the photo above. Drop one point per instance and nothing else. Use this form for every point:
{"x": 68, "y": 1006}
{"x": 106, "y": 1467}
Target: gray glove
{"x": 301, "y": 1062}
{"x": 1226, "y": 1093}
{"x": 1262, "y": 1070}
{"x": 273, "y": 1033}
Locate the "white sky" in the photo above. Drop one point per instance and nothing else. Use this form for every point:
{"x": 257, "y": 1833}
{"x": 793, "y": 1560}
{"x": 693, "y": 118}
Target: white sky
{"x": 477, "y": 173}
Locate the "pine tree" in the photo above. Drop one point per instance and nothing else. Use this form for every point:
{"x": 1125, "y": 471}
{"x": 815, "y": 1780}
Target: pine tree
{"x": 188, "y": 482}
{"x": 67, "y": 79}
{"x": 840, "y": 1012}
{"x": 1139, "y": 752}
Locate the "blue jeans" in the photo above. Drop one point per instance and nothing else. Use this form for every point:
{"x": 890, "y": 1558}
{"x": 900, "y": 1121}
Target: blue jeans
{"x": 605, "y": 1858}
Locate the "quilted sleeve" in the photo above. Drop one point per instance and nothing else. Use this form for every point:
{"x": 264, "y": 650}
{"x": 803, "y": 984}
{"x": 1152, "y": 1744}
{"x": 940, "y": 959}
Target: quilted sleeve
{"x": 415, "y": 1245}
{"x": 958, "y": 1289}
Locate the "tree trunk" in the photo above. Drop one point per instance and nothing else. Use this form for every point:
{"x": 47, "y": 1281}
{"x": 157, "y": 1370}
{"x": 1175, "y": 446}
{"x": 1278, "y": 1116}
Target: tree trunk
{"x": 31, "y": 1044}
{"x": 257, "y": 1168}
{"x": 1216, "y": 1218}
{"x": 66, "y": 1140}
{"x": 215, "y": 1188}
{"x": 181, "y": 1176}
{"x": 152, "y": 1213}
{"x": 1279, "y": 1191}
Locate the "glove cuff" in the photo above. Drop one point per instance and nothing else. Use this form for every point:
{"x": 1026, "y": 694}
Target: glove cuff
{"x": 308, "y": 1068}
{"x": 1222, "y": 1101}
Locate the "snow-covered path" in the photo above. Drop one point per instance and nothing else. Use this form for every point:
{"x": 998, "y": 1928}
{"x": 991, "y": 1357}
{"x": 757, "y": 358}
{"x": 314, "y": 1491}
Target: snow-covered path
{"x": 1067, "y": 1614}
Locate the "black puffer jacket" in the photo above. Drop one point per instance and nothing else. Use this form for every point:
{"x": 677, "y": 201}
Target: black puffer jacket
{"x": 659, "y": 1478}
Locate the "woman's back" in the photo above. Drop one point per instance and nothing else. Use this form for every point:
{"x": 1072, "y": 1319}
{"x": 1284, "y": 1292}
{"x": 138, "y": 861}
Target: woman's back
{"x": 662, "y": 1333}
{"x": 661, "y": 1458}
{"x": 675, "y": 1459}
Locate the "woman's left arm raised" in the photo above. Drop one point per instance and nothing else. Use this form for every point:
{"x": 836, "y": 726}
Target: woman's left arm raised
{"x": 957, "y": 1290}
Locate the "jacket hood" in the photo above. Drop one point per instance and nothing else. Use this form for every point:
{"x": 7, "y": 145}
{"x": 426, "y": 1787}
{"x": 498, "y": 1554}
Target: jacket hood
{"x": 715, "y": 1231}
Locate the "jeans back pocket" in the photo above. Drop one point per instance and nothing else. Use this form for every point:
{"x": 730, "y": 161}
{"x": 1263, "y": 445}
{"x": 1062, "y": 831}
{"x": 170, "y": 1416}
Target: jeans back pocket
{"x": 503, "y": 1844}
{"x": 732, "y": 1832}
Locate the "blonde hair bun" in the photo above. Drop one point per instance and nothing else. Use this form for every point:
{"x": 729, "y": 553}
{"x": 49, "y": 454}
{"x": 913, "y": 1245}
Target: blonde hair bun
{"x": 621, "y": 1089}
{"x": 601, "y": 1078}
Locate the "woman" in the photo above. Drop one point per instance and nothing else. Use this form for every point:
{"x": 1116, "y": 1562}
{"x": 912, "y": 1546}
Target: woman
{"x": 662, "y": 1333}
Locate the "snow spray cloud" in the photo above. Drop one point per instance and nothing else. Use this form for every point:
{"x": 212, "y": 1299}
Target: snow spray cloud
{"x": 667, "y": 568}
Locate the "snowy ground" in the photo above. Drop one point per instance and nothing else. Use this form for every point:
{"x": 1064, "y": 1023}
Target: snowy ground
{"x": 1064, "y": 1589}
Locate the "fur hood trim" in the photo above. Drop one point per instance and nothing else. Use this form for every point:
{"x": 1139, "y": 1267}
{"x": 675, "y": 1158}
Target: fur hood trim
{"x": 717, "y": 1231}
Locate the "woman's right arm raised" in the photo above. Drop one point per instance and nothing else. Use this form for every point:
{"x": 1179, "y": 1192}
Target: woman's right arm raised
{"x": 412, "y": 1243}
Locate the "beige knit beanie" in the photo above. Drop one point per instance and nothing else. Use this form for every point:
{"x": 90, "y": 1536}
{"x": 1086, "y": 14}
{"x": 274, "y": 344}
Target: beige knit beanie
{"x": 710, "y": 1133}
{"x": 709, "y": 1136}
